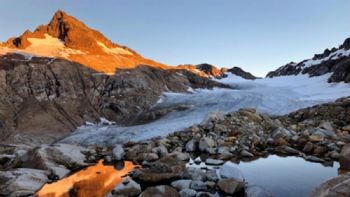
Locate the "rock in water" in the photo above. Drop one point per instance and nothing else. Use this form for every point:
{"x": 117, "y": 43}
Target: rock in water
{"x": 229, "y": 170}
{"x": 118, "y": 152}
{"x": 162, "y": 190}
{"x": 344, "y": 157}
{"x": 257, "y": 191}
{"x": 337, "y": 187}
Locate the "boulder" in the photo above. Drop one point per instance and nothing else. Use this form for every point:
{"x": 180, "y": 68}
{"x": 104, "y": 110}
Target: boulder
{"x": 214, "y": 162}
{"x": 127, "y": 188}
{"x": 181, "y": 184}
{"x": 191, "y": 146}
{"x": 198, "y": 185}
{"x": 22, "y": 181}
{"x": 162, "y": 190}
{"x": 194, "y": 174}
{"x": 230, "y": 186}
{"x": 118, "y": 152}
{"x": 206, "y": 144}
{"x": 338, "y": 187}
{"x": 344, "y": 157}
{"x": 229, "y": 170}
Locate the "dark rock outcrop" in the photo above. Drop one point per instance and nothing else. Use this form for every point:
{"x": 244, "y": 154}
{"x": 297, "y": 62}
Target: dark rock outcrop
{"x": 335, "y": 61}
{"x": 240, "y": 72}
{"x": 46, "y": 97}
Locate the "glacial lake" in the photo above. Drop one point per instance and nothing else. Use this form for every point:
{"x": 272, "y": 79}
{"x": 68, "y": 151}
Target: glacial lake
{"x": 287, "y": 176}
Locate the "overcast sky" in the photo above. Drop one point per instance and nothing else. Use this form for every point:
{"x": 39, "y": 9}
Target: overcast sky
{"x": 258, "y": 36}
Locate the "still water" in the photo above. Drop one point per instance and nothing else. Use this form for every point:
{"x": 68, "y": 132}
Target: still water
{"x": 94, "y": 181}
{"x": 287, "y": 176}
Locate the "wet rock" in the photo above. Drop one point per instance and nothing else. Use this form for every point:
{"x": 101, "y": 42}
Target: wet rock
{"x": 198, "y": 186}
{"x": 210, "y": 161}
{"x": 337, "y": 187}
{"x": 22, "y": 181}
{"x": 162, "y": 190}
{"x": 344, "y": 157}
{"x": 192, "y": 146}
{"x": 314, "y": 159}
{"x": 118, "y": 152}
{"x": 206, "y": 144}
{"x": 187, "y": 193}
{"x": 257, "y": 191}
{"x": 230, "y": 186}
{"x": 181, "y": 184}
{"x": 229, "y": 170}
{"x": 127, "y": 188}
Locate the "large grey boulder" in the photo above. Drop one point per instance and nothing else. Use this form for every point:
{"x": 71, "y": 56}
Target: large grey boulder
{"x": 229, "y": 170}
{"x": 22, "y": 182}
{"x": 336, "y": 187}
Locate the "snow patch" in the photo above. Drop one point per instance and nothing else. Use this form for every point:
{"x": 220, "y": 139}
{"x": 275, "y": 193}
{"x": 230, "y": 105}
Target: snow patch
{"x": 333, "y": 56}
{"x": 115, "y": 51}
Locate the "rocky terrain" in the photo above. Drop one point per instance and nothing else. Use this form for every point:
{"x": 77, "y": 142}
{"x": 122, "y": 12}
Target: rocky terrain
{"x": 60, "y": 95}
{"x": 241, "y": 73}
{"x": 317, "y": 134}
{"x": 335, "y": 61}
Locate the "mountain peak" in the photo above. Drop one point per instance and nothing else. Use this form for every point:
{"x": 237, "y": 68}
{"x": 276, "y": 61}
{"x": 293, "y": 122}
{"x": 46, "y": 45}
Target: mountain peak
{"x": 67, "y": 37}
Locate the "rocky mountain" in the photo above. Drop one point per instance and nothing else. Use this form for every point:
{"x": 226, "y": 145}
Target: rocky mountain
{"x": 48, "y": 97}
{"x": 68, "y": 38}
{"x": 335, "y": 61}
{"x": 241, "y": 73}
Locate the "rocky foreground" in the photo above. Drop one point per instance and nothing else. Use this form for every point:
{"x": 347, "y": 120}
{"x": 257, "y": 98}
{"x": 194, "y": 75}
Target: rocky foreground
{"x": 318, "y": 134}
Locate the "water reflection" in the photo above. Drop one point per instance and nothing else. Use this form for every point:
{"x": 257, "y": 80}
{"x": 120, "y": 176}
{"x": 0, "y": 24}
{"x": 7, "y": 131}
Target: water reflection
{"x": 287, "y": 176}
{"x": 94, "y": 181}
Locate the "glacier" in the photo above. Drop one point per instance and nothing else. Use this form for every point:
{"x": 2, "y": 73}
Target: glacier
{"x": 275, "y": 96}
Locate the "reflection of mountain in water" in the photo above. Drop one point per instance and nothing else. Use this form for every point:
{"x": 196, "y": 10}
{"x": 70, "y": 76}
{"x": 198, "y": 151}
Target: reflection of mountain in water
{"x": 97, "y": 180}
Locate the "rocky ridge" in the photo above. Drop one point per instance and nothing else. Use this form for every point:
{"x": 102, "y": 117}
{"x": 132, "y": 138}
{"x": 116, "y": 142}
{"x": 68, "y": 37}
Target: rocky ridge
{"x": 335, "y": 61}
{"x": 170, "y": 163}
{"x": 60, "y": 95}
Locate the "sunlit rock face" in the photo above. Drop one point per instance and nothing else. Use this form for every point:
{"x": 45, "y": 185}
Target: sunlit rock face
{"x": 42, "y": 99}
{"x": 96, "y": 180}
{"x": 67, "y": 37}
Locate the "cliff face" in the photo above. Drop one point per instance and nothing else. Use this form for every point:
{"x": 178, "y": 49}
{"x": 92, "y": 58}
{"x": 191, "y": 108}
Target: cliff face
{"x": 335, "y": 61}
{"x": 48, "y": 97}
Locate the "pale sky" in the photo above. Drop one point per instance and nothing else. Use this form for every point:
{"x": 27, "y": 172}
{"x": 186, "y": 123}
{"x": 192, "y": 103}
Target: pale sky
{"x": 258, "y": 36}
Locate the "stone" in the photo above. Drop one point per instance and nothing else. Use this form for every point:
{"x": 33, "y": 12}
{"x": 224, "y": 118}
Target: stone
{"x": 214, "y": 116}
{"x": 281, "y": 132}
{"x": 130, "y": 188}
{"x": 205, "y": 143}
{"x": 22, "y": 181}
{"x": 324, "y": 133}
{"x": 245, "y": 153}
{"x": 230, "y": 186}
{"x": 204, "y": 194}
{"x": 229, "y": 170}
{"x": 214, "y": 162}
{"x": 187, "y": 193}
{"x": 118, "y": 152}
{"x": 326, "y": 125}
{"x": 198, "y": 185}
{"x": 344, "y": 157}
{"x": 316, "y": 138}
{"x": 194, "y": 174}
{"x": 338, "y": 187}
{"x": 257, "y": 191}
{"x": 314, "y": 159}
{"x": 212, "y": 175}
{"x": 191, "y": 146}
{"x": 308, "y": 148}
{"x": 180, "y": 155}
{"x": 162, "y": 190}
{"x": 290, "y": 150}
{"x": 181, "y": 184}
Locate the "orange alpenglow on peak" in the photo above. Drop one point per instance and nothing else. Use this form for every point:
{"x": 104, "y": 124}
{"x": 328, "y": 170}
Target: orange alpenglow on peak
{"x": 68, "y": 38}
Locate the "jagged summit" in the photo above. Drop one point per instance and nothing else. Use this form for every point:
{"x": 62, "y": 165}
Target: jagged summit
{"x": 69, "y": 38}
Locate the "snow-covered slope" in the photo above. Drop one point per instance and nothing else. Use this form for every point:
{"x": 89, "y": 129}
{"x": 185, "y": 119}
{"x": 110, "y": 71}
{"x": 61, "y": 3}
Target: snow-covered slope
{"x": 279, "y": 95}
{"x": 335, "y": 61}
